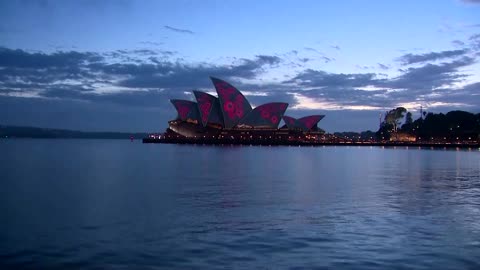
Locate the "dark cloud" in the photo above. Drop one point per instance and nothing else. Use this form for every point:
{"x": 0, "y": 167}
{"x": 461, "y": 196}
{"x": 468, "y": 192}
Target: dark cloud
{"x": 430, "y": 75}
{"x": 312, "y": 50}
{"x": 382, "y": 66}
{"x": 21, "y": 59}
{"x": 293, "y": 60}
{"x": 316, "y": 78}
{"x": 458, "y": 43}
{"x": 132, "y": 81}
{"x": 327, "y": 59}
{"x": 363, "y": 67}
{"x": 179, "y": 30}
{"x": 35, "y": 69}
{"x": 143, "y": 80}
{"x": 475, "y": 41}
{"x": 147, "y": 99}
{"x": 146, "y": 52}
{"x": 268, "y": 59}
{"x": 409, "y": 59}
{"x": 347, "y": 90}
{"x": 153, "y": 43}
{"x": 174, "y": 75}
{"x": 473, "y": 89}
{"x": 469, "y": 94}
{"x": 135, "y": 55}
{"x": 179, "y": 75}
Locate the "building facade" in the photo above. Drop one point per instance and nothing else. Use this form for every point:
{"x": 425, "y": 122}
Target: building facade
{"x": 230, "y": 114}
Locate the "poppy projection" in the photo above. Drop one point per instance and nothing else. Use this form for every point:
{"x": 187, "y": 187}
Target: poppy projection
{"x": 232, "y": 111}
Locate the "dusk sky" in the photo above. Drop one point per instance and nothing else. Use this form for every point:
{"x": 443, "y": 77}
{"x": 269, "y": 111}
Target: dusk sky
{"x": 114, "y": 65}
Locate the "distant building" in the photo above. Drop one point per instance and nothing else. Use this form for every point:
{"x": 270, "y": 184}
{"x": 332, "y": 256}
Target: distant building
{"x": 402, "y": 137}
{"x": 231, "y": 114}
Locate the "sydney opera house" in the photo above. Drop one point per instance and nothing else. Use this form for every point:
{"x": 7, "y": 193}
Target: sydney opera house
{"x": 230, "y": 116}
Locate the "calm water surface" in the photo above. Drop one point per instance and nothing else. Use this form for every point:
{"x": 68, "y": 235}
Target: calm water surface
{"x": 83, "y": 204}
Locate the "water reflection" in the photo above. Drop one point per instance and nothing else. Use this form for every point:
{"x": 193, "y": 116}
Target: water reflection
{"x": 110, "y": 204}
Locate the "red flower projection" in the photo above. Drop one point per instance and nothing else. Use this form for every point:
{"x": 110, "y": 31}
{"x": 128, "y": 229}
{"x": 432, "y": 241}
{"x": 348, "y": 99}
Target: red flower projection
{"x": 310, "y": 121}
{"x": 184, "y": 107}
{"x": 224, "y": 90}
{"x": 274, "y": 119}
{"x": 266, "y": 110}
{"x": 238, "y": 111}
{"x": 229, "y": 108}
{"x": 235, "y": 105}
{"x": 205, "y": 111}
{"x": 266, "y": 115}
{"x": 290, "y": 121}
{"x": 304, "y": 123}
{"x": 206, "y": 104}
{"x": 183, "y": 111}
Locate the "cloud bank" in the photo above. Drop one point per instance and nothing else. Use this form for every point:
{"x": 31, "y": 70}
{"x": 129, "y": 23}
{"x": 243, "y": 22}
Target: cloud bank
{"x": 141, "y": 82}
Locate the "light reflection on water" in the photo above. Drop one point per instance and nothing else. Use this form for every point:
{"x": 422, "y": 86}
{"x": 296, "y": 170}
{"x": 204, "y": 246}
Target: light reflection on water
{"x": 110, "y": 204}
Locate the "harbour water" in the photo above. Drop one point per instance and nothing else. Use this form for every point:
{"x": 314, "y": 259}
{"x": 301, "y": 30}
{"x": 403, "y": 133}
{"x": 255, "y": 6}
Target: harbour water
{"x": 110, "y": 204}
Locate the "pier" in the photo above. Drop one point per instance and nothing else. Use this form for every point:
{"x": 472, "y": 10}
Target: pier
{"x": 283, "y": 142}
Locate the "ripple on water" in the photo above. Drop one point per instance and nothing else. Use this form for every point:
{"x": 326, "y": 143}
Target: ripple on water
{"x": 115, "y": 206}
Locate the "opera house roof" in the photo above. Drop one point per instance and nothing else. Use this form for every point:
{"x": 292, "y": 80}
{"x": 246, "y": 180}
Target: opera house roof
{"x": 232, "y": 110}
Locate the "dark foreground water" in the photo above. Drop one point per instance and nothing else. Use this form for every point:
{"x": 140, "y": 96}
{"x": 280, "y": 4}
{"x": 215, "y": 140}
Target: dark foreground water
{"x": 81, "y": 204}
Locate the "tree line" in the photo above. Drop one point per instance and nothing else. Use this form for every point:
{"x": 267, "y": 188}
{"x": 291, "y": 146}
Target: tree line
{"x": 454, "y": 125}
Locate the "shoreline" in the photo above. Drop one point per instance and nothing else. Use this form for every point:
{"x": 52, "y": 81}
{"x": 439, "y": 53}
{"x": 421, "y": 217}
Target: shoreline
{"x": 303, "y": 143}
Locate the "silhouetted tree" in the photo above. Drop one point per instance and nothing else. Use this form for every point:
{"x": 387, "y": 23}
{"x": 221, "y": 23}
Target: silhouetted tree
{"x": 394, "y": 117}
{"x": 455, "y": 125}
{"x": 408, "y": 125}
{"x": 450, "y": 126}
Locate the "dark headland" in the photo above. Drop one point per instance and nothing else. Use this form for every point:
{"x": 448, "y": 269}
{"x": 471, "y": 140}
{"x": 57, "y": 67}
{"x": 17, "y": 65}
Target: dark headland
{"x": 7, "y": 131}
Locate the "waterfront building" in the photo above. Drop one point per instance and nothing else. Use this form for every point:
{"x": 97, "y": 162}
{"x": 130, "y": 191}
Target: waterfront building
{"x": 231, "y": 115}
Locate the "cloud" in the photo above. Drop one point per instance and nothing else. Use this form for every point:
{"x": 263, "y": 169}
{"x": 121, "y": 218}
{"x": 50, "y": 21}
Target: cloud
{"x": 305, "y": 59}
{"x": 327, "y": 59}
{"x": 22, "y": 69}
{"x": 178, "y": 75}
{"x": 313, "y": 50}
{"x": 458, "y": 43}
{"x": 22, "y": 59}
{"x": 336, "y": 47}
{"x": 359, "y": 91}
{"x": 430, "y": 76}
{"x": 382, "y": 66}
{"x": 268, "y": 59}
{"x": 318, "y": 78}
{"x": 409, "y": 59}
{"x": 179, "y": 30}
{"x": 143, "y": 80}
{"x": 468, "y": 95}
{"x": 363, "y": 67}
{"x": 131, "y": 72}
{"x": 475, "y": 41}
{"x": 153, "y": 43}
